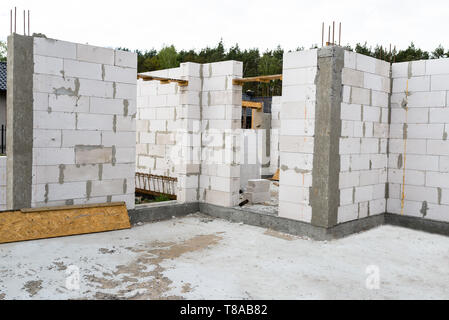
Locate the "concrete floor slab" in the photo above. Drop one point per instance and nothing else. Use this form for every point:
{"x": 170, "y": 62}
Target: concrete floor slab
{"x": 198, "y": 257}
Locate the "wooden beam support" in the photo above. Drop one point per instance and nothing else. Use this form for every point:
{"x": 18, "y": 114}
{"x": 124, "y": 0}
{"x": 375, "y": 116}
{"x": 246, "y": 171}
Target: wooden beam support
{"x": 252, "y": 104}
{"x": 181, "y": 83}
{"x": 264, "y": 79}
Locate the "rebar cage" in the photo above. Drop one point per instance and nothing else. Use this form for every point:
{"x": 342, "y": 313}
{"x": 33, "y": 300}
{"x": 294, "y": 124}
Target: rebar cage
{"x": 154, "y": 185}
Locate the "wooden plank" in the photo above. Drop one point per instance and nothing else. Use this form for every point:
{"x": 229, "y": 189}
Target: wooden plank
{"x": 162, "y": 80}
{"x": 72, "y": 220}
{"x": 265, "y": 79}
{"x": 80, "y": 206}
{"x": 252, "y": 104}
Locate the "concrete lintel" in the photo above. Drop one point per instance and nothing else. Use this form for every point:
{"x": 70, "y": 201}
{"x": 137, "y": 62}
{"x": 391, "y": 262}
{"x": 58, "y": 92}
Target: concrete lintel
{"x": 19, "y": 142}
{"x": 325, "y": 192}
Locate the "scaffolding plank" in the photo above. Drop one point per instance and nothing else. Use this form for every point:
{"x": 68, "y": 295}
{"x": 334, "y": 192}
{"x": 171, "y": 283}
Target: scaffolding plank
{"x": 41, "y": 223}
{"x": 252, "y": 104}
{"x": 264, "y": 79}
{"x": 162, "y": 80}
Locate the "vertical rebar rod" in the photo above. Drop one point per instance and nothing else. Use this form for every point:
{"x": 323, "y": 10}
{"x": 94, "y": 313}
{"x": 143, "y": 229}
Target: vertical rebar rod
{"x": 15, "y": 19}
{"x": 333, "y": 32}
{"x": 339, "y": 35}
{"x": 329, "y": 36}
{"x": 322, "y": 36}
{"x": 10, "y": 21}
{"x": 28, "y": 22}
{"x": 24, "y": 27}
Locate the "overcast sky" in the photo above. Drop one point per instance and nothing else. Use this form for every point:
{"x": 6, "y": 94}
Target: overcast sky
{"x": 250, "y": 23}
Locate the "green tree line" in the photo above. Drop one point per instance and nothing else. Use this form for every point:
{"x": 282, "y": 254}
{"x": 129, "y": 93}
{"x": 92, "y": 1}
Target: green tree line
{"x": 268, "y": 62}
{"x": 3, "y": 51}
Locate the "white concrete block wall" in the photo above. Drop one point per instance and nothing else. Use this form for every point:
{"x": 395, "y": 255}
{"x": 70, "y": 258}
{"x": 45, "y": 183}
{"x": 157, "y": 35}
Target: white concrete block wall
{"x": 253, "y": 147}
{"x": 2, "y": 183}
{"x": 296, "y": 137}
{"x": 157, "y": 122}
{"x": 169, "y": 128}
{"x": 221, "y": 111}
{"x": 191, "y": 132}
{"x": 84, "y": 124}
{"x": 418, "y": 140}
{"x": 364, "y": 137}
{"x": 274, "y": 133}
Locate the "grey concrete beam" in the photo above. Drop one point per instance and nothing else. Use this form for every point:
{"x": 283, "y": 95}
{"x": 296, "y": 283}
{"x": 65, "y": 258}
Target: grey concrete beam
{"x": 325, "y": 192}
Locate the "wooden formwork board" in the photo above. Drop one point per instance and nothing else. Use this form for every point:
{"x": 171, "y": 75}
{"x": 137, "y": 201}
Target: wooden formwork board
{"x": 41, "y": 223}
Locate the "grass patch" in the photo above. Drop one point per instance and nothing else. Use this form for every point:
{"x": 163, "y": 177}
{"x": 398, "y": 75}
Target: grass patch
{"x": 144, "y": 198}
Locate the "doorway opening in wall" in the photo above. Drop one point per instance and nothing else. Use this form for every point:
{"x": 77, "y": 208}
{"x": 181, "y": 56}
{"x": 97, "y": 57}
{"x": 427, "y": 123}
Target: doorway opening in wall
{"x": 158, "y": 102}
{"x": 259, "y": 169}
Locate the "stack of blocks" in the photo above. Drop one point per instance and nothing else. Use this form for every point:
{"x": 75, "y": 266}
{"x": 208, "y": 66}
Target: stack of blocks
{"x": 258, "y": 191}
{"x": 83, "y": 102}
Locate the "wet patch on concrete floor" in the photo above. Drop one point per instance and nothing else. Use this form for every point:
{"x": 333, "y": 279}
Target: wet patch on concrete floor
{"x": 153, "y": 284}
{"x": 33, "y": 287}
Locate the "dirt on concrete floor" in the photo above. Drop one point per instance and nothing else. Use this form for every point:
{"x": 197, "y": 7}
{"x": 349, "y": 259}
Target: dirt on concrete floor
{"x": 198, "y": 257}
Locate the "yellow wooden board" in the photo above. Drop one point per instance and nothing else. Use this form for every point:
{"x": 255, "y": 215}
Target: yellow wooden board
{"x": 252, "y": 104}
{"x": 41, "y": 223}
{"x": 180, "y": 82}
{"x": 264, "y": 79}
{"x": 276, "y": 176}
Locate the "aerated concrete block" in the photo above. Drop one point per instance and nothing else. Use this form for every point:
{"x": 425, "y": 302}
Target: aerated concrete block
{"x": 258, "y": 185}
{"x": 257, "y": 197}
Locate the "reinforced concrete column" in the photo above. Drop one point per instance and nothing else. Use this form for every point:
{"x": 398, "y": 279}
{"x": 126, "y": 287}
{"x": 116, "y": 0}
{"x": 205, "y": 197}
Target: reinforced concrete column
{"x": 19, "y": 110}
{"x": 325, "y": 192}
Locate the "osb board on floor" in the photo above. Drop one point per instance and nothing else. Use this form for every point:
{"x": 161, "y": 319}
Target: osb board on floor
{"x": 40, "y": 223}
